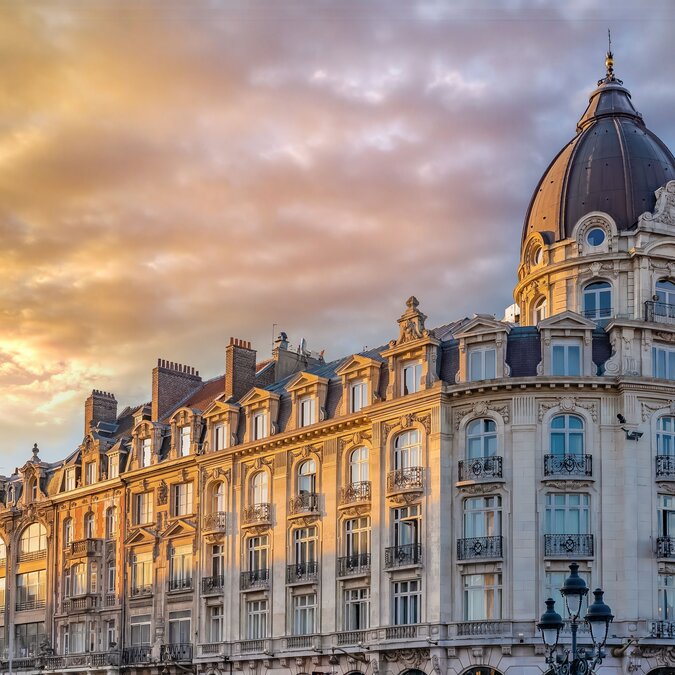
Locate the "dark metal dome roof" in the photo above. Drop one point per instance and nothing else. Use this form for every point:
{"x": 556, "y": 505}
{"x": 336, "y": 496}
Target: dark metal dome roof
{"x": 614, "y": 164}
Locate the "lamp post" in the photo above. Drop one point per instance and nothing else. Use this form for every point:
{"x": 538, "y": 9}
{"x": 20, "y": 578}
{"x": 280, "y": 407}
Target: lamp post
{"x": 575, "y": 660}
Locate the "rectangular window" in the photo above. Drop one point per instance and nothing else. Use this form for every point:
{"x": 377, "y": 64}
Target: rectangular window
{"x": 27, "y": 639}
{"x": 146, "y": 452}
{"x": 663, "y": 363}
{"x": 666, "y": 515}
{"x": 256, "y": 619}
{"x": 304, "y": 614}
{"x": 110, "y": 634}
{"x": 78, "y": 584}
{"x": 182, "y": 499}
{"x": 217, "y": 560}
{"x": 77, "y": 633}
{"x": 143, "y": 512}
{"x": 185, "y": 437}
{"x": 666, "y": 600}
{"x": 406, "y": 520}
{"x": 113, "y": 466}
{"x": 357, "y": 536}
{"x": 219, "y": 437}
{"x": 2, "y": 593}
{"x": 358, "y": 396}
{"x": 179, "y": 627}
{"x": 411, "y": 376}
{"x": 407, "y": 602}
{"x": 70, "y": 479}
{"x": 567, "y": 513}
{"x": 180, "y": 567}
{"x": 259, "y": 426}
{"x": 257, "y": 548}
{"x": 140, "y": 630}
{"x": 215, "y": 620}
{"x": 141, "y": 572}
{"x": 304, "y": 540}
{"x": 307, "y": 410}
{"x": 356, "y": 609}
{"x": 111, "y": 580}
{"x": 31, "y": 590}
{"x": 482, "y": 597}
{"x": 90, "y": 473}
{"x": 482, "y": 517}
{"x": 93, "y": 577}
{"x": 482, "y": 363}
{"x": 553, "y": 582}
{"x": 566, "y": 359}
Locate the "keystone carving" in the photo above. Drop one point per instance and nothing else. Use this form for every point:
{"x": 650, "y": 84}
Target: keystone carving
{"x": 648, "y": 409}
{"x": 568, "y": 404}
{"x": 411, "y": 658}
{"x": 481, "y": 408}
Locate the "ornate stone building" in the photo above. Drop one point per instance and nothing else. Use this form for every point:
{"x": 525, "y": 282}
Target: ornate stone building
{"x": 404, "y": 509}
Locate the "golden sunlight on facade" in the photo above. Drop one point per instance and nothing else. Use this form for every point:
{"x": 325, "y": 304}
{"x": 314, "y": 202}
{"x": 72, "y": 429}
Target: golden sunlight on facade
{"x": 404, "y": 510}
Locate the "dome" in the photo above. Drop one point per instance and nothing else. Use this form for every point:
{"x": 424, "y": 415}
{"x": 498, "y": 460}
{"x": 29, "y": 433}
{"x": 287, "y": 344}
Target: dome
{"x": 614, "y": 164}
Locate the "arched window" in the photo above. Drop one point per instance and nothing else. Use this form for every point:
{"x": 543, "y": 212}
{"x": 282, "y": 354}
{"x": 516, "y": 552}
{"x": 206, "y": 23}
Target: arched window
{"x": 567, "y": 435}
{"x": 307, "y": 477}
{"x": 598, "y": 300}
{"x": 33, "y": 539}
{"x": 665, "y": 292}
{"x": 407, "y": 450}
{"x": 67, "y": 532}
{"x": 33, "y": 489}
{"x": 260, "y": 488}
{"x": 218, "y": 497}
{"x": 481, "y": 439}
{"x": 539, "y": 311}
{"x": 665, "y": 435}
{"x": 111, "y": 522}
{"x": 358, "y": 465}
{"x": 89, "y": 526}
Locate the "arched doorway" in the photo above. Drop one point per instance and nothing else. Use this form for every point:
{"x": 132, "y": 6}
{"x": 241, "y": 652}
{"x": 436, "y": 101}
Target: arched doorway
{"x": 662, "y": 671}
{"x": 413, "y": 671}
{"x": 481, "y": 670}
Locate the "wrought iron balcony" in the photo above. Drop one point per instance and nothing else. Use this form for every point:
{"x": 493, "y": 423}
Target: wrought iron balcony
{"x": 568, "y": 545}
{"x": 599, "y": 314}
{"x": 659, "y": 312}
{"x": 259, "y": 578}
{"x": 302, "y": 572}
{"x": 480, "y": 468}
{"x": 307, "y": 502}
{"x": 214, "y": 584}
{"x": 137, "y": 654}
{"x": 665, "y": 547}
{"x": 180, "y": 584}
{"x": 180, "y": 652}
{"x": 568, "y": 465}
{"x": 257, "y": 514}
{"x": 665, "y": 466}
{"x": 662, "y": 629}
{"x": 400, "y": 556}
{"x": 409, "y": 479}
{"x": 354, "y": 564}
{"x": 479, "y": 547}
{"x": 139, "y": 591}
{"x": 215, "y": 522}
{"x": 355, "y": 493}
{"x": 29, "y": 663}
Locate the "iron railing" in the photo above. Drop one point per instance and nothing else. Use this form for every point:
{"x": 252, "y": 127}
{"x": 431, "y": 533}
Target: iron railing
{"x": 259, "y": 578}
{"x": 568, "y": 465}
{"x": 665, "y": 547}
{"x": 354, "y": 564}
{"x": 180, "y": 584}
{"x": 180, "y": 651}
{"x": 665, "y": 465}
{"x": 659, "y": 312}
{"x": 137, "y": 591}
{"x": 480, "y": 468}
{"x": 213, "y": 584}
{"x": 137, "y": 654}
{"x": 257, "y": 513}
{"x": 599, "y": 314}
{"x": 568, "y": 545}
{"x": 360, "y": 491}
{"x": 307, "y": 502}
{"x": 215, "y": 522}
{"x": 479, "y": 547}
{"x": 32, "y": 603}
{"x": 307, "y": 571}
{"x": 400, "y": 556}
{"x": 662, "y": 629}
{"x": 410, "y": 478}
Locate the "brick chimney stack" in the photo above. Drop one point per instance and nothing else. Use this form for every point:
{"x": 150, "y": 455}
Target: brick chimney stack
{"x": 239, "y": 368}
{"x": 100, "y": 406}
{"x": 171, "y": 382}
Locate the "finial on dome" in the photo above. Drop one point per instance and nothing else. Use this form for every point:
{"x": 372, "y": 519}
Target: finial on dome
{"x": 609, "y": 58}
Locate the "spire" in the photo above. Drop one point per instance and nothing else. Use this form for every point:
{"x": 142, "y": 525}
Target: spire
{"x": 609, "y": 63}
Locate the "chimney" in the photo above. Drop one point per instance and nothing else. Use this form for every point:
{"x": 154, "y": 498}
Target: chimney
{"x": 100, "y": 406}
{"x": 171, "y": 383}
{"x": 239, "y": 368}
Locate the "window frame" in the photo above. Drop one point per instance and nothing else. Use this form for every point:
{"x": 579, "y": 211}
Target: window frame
{"x": 484, "y": 373}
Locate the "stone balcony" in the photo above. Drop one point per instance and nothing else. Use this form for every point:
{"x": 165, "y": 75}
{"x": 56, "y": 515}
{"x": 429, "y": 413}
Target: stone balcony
{"x": 84, "y": 548}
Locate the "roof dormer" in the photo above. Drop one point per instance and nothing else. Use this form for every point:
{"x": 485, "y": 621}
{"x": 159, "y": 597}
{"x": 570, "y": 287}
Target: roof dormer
{"x": 566, "y": 345}
{"x": 186, "y": 432}
{"x": 261, "y": 408}
{"x": 360, "y": 377}
{"x": 308, "y": 396}
{"x": 482, "y": 349}
{"x": 222, "y": 420}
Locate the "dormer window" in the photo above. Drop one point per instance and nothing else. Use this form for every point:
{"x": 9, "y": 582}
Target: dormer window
{"x": 358, "y": 396}
{"x": 70, "y": 479}
{"x": 90, "y": 473}
{"x": 307, "y": 411}
{"x": 411, "y": 376}
{"x": 566, "y": 358}
{"x": 260, "y": 426}
{"x": 113, "y": 466}
{"x": 33, "y": 490}
{"x": 482, "y": 363}
{"x": 598, "y": 300}
{"x": 146, "y": 452}
{"x": 219, "y": 437}
{"x": 185, "y": 439}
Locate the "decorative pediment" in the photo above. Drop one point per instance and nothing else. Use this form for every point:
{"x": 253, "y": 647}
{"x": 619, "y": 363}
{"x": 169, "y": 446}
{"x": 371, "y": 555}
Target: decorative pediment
{"x": 220, "y": 407}
{"x": 357, "y": 363}
{"x": 566, "y": 320}
{"x": 140, "y": 535}
{"x": 482, "y": 325}
{"x": 303, "y": 380}
{"x": 183, "y": 416}
{"x": 179, "y": 528}
{"x": 258, "y": 397}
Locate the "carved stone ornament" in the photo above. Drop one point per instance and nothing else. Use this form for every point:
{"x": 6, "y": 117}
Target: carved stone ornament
{"x": 407, "y": 421}
{"x": 436, "y": 664}
{"x": 669, "y": 488}
{"x": 411, "y": 658}
{"x": 568, "y": 404}
{"x": 664, "y": 655}
{"x": 404, "y": 498}
{"x": 664, "y": 337}
{"x": 480, "y": 488}
{"x": 664, "y": 210}
{"x": 411, "y": 324}
{"x": 568, "y": 484}
{"x": 481, "y": 408}
{"x": 162, "y": 493}
{"x": 649, "y": 408}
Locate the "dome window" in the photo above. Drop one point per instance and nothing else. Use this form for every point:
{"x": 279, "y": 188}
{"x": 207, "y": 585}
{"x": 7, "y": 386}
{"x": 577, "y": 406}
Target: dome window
{"x": 595, "y": 236}
{"x": 537, "y": 255}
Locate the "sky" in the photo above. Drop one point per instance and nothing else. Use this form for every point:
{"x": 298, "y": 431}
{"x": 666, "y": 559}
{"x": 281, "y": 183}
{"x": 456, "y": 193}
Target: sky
{"x": 176, "y": 173}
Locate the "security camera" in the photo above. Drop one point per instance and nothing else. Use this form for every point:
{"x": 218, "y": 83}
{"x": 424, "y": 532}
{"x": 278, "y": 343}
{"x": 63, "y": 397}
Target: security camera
{"x": 621, "y": 418}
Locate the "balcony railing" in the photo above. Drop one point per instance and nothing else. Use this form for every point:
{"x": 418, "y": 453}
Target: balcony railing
{"x": 215, "y": 522}
{"x": 180, "y": 584}
{"x": 27, "y": 556}
{"x": 662, "y": 629}
{"x": 665, "y": 466}
{"x": 354, "y": 564}
{"x": 479, "y": 547}
{"x": 257, "y": 514}
{"x": 401, "y": 632}
{"x": 403, "y": 480}
{"x": 213, "y": 584}
{"x": 300, "y": 642}
{"x": 568, "y": 545}
{"x": 255, "y": 579}
{"x": 137, "y": 654}
{"x": 480, "y": 468}
{"x": 85, "y": 659}
{"x": 599, "y": 314}
{"x": 568, "y": 465}
{"x": 301, "y": 572}
{"x": 139, "y": 591}
{"x": 470, "y": 628}
{"x": 355, "y": 493}
{"x": 213, "y": 649}
{"x": 665, "y": 547}
{"x": 28, "y": 605}
{"x": 180, "y": 651}
{"x": 30, "y": 663}
{"x": 400, "y": 556}
{"x": 659, "y": 312}
{"x": 307, "y": 502}
{"x": 111, "y": 600}
{"x": 351, "y": 637}
{"x": 83, "y": 603}
{"x": 252, "y": 646}
{"x": 84, "y": 547}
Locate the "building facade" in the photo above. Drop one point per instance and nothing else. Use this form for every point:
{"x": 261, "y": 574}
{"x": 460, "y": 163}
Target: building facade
{"x": 406, "y": 509}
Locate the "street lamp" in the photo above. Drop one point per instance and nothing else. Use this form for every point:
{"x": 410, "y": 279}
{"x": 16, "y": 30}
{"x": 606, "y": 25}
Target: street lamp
{"x": 575, "y": 661}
